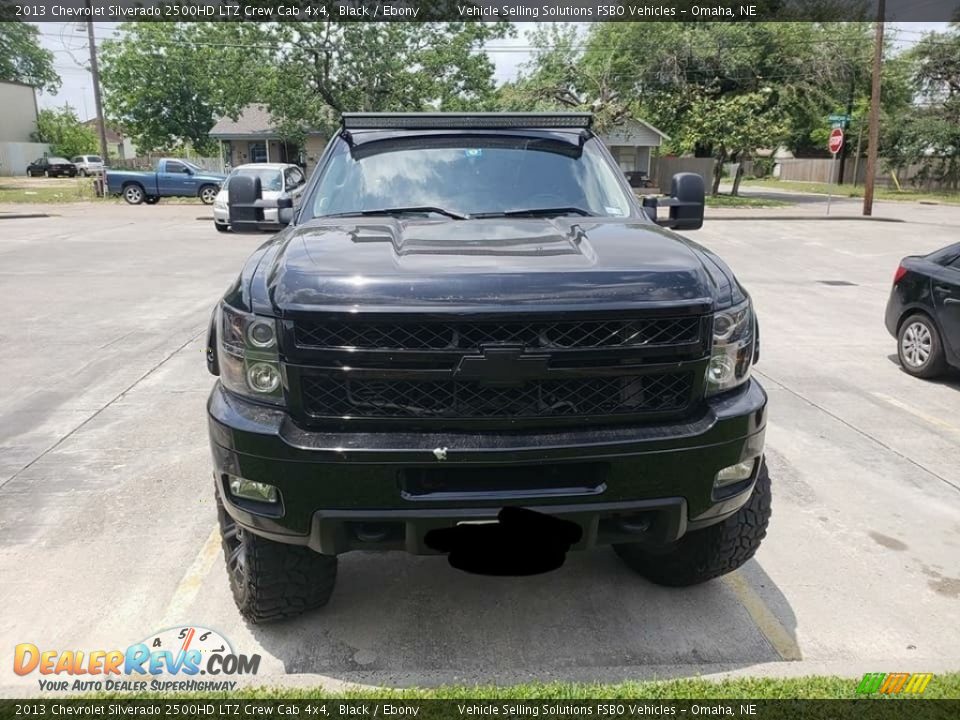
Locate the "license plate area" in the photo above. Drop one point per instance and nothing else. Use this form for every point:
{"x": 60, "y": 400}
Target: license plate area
{"x": 499, "y": 482}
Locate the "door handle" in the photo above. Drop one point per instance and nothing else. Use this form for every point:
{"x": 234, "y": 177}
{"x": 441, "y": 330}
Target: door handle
{"x": 951, "y": 301}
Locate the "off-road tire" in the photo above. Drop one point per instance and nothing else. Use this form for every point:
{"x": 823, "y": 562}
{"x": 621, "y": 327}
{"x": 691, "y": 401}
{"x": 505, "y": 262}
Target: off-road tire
{"x": 273, "y": 581}
{"x": 151, "y": 199}
{"x": 936, "y": 361}
{"x": 705, "y": 554}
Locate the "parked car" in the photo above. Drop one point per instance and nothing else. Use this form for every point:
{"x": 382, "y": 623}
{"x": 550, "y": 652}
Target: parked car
{"x": 277, "y": 180}
{"x": 639, "y": 179}
{"x": 170, "y": 178}
{"x": 88, "y": 165}
{"x": 53, "y": 166}
{"x": 923, "y": 312}
{"x": 474, "y": 339}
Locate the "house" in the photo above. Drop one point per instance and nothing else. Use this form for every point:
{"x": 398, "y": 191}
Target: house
{"x": 119, "y": 145}
{"x": 634, "y": 144}
{"x": 253, "y": 137}
{"x": 18, "y": 123}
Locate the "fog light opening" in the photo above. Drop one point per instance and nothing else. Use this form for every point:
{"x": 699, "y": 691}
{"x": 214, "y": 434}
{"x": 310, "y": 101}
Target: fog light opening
{"x": 263, "y": 378}
{"x": 253, "y": 490}
{"x": 635, "y": 523}
{"x": 733, "y": 474}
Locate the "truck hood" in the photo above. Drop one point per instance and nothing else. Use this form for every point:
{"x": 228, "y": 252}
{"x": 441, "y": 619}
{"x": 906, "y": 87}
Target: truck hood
{"x": 384, "y": 265}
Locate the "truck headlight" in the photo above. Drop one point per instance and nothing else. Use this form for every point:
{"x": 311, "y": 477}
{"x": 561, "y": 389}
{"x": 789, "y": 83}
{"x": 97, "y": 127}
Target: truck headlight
{"x": 248, "y": 355}
{"x": 732, "y": 353}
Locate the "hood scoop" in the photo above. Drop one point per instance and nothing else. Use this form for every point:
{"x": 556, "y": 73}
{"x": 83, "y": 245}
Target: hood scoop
{"x": 502, "y": 237}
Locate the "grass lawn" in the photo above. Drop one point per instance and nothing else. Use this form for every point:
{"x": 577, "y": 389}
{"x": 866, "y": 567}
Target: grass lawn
{"x": 816, "y": 687}
{"x": 53, "y": 191}
{"x": 880, "y": 193}
{"x": 731, "y": 201}
{"x": 46, "y": 190}
{"x": 737, "y": 201}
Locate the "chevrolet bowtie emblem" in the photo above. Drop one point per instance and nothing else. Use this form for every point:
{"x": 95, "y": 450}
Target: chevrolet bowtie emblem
{"x": 507, "y": 365}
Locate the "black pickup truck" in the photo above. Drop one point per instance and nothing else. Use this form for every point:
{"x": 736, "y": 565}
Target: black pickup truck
{"x": 473, "y": 338}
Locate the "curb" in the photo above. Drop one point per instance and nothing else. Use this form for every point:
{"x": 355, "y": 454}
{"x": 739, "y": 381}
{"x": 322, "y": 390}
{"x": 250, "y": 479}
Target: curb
{"x": 792, "y": 218}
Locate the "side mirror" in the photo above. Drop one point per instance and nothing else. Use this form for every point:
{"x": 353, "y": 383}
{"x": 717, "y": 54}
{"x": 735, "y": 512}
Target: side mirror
{"x": 245, "y": 196}
{"x": 686, "y": 201}
{"x": 285, "y": 210}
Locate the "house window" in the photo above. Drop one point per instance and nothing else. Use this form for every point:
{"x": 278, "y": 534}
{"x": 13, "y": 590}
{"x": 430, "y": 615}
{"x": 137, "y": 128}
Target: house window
{"x": 258, "y": 152}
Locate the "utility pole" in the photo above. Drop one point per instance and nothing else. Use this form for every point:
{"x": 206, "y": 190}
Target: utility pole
{"x": 874, "y": 133}
{"x": 95, "y": 71}
{"x": 843, "y": 151}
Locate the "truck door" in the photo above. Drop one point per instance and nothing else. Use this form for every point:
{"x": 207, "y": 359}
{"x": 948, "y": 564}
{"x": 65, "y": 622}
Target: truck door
{"x": 946, "y": 302}
{"x": 175, "y": 178}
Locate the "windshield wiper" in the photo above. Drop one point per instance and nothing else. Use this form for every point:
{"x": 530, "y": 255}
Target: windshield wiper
{"x": 397, "y": 211}
{"x": 536, "y": 212}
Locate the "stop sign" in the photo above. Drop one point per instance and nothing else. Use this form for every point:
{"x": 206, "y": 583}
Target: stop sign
{"x": 836, "y": 140}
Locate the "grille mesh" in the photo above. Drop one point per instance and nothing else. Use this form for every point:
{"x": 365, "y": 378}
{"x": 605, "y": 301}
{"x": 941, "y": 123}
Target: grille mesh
{"x": 332, "y": 397}
{"x": 472, "y": 335}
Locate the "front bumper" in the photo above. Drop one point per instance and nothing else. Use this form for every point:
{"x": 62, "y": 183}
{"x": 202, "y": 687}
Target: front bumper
{"x": 222, "y": 216}
{"x": 344, "y": 491}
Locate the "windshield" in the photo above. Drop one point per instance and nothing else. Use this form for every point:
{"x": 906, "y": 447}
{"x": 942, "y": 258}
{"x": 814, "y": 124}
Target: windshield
{"x": 469, "y": 176}
{"x": 270, "y": 178}
{"x": 94, "y": 158}
{"x": 57, "y": 160}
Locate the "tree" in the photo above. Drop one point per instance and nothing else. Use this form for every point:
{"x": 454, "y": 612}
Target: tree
{"x": 555, "y": 78}
{"x": 63, "y": 131}
{"x": 321, "y": 69}
{"x": 718, "y": 89}
{"x": 167, "y": 83}
{"x": 23, "y": 60}
{"x": 928, "y": 133}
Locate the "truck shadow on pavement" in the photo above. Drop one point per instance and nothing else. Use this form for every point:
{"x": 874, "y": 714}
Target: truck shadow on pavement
{"x": 400, "y": 620}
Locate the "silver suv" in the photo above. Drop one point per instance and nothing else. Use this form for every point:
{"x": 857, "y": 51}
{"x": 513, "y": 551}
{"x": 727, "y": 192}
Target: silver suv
{"x": 88, "y": 165}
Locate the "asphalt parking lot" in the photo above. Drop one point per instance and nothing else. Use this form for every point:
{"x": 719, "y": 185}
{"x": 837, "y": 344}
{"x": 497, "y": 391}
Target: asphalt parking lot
{"x": 107, "y": 517}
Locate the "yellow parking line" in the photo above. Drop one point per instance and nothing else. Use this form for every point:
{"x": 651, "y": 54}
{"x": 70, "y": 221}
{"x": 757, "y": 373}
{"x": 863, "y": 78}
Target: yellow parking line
{"x": 766, "y": 622}
{"x": 916, "y": 413}
{"x": 191, "y": 581}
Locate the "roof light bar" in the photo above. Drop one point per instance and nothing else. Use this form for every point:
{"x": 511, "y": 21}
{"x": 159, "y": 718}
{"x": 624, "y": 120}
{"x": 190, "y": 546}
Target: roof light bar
{"x": 464, "y": 121}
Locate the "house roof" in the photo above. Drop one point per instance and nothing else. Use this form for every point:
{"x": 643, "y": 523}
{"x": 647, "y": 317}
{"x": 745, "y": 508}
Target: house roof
{"x": 254, "y": 119}
{"x": 634, "y": 128}
{"x": 114, "y": 135}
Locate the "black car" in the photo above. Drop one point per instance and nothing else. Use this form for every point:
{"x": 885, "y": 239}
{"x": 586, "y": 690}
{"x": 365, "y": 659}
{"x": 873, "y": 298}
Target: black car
{"x": 473, "y": 339}
{"x": 923, "y": 312}
{"x": 52, "y": 167}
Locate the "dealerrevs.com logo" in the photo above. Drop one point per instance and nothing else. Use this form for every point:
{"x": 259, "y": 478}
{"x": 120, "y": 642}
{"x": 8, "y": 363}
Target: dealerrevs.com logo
{"x": 184, "y": 653}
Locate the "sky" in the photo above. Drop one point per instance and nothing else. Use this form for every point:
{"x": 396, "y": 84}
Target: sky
{"x": 68, "y": 42}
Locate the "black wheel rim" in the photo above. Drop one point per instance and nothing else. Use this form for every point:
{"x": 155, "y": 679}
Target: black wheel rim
{"x": 235, "y": 550}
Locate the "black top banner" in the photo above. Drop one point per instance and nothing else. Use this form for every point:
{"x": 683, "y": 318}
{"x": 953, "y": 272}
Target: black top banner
{"x": 466, "y": 10}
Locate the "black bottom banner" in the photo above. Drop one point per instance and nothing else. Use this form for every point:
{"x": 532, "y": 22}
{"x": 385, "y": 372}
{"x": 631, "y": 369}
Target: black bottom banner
{"x": 247, "y": 709}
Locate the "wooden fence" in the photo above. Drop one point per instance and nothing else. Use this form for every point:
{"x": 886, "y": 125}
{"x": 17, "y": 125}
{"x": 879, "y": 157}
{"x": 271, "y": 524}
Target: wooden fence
{"x": 662, "y": 169}
{"x": 147, "y": 162}
{"x": 822, "y": 170}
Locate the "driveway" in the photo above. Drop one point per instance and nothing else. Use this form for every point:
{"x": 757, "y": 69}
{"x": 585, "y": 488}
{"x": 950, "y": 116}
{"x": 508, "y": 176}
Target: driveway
{"x": 107, "y": 520}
